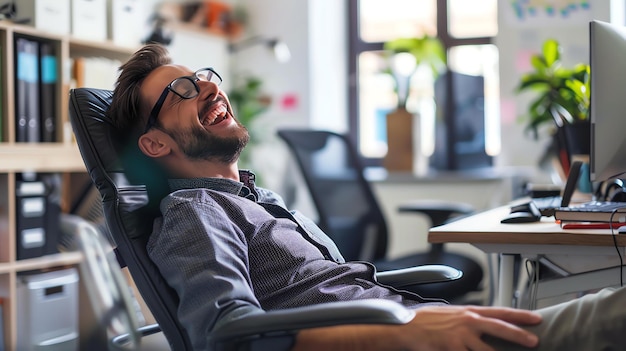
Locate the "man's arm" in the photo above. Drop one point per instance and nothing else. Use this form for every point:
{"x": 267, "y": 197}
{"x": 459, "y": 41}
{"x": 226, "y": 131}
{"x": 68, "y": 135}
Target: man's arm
{"x": 432, "y": 328}
{"x": 205, "y": 260}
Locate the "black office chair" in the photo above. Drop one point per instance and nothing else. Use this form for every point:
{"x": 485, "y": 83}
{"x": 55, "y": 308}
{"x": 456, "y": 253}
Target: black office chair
{"x": 350, "y": 214}
{"x": 130, "y": 209}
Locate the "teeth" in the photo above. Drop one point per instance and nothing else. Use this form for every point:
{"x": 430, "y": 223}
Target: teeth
{"x": 216, "y": 115}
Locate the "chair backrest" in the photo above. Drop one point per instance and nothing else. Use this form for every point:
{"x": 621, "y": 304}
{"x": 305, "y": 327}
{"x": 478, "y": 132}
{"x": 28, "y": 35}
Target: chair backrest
{"x": 347, "y": 207}
{"x": 129, "y": 208}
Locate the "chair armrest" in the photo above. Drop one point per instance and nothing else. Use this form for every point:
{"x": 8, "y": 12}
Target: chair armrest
{"x": 432, "y": 273}
{"x": 275, "y": 330}
{"x": 438, "y": 211}
{"x": 121, "y": 342}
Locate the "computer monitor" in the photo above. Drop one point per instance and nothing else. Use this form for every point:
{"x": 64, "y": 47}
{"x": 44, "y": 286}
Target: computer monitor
{"x": 608, "y": 100}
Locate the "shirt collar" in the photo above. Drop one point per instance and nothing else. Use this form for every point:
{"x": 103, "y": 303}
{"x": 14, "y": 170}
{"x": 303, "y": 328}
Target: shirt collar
{"x": 218, "y": 184}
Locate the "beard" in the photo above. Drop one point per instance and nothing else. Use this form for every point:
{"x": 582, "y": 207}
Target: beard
{"x": 200, "y": 144}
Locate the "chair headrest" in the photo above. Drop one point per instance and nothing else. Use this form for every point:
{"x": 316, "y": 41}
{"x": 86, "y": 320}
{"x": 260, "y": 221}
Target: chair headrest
{"x": 118, "y": 172}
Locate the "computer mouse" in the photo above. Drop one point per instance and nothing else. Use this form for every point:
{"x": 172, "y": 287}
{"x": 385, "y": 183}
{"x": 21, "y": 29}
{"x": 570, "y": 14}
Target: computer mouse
{"x": 520, "y": 217}
{"x": 523, "y": 213}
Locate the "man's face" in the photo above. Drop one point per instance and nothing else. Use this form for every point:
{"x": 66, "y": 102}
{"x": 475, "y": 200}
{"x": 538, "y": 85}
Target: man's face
{"x": 203, "y": 126}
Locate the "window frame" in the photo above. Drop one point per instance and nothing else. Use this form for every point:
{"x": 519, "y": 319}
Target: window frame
{"x": 356, "y": 46}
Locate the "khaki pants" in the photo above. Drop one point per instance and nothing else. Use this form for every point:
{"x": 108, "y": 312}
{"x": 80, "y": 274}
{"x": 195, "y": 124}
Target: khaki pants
{"x": 591, "y": 323}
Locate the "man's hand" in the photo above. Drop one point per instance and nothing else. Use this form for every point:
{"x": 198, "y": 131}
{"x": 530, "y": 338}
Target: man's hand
{"x": 461, "y": 327}
{"x": 438, "y": 328}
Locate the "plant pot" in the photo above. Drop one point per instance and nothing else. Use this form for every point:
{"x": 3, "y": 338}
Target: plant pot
{"x": 399, "y": 156}
{"x": 404, "y": 152}
{"x": 577, "y": 138}
{"x": 573, "y": 140}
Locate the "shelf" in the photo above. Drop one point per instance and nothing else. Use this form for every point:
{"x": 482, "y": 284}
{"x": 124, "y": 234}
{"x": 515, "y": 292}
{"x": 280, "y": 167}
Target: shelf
{"x": 40, "y": 157}
{"x": 28, "y": 30}
{"x": 81, "y": 47}
{"x": 43, "y": 262}
{"x": 78, "y": 47}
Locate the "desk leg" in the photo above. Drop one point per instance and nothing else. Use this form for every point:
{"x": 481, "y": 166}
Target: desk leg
{"x": 505, "y": 280}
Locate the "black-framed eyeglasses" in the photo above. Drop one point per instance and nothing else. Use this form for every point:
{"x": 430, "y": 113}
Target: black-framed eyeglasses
{"x": 185, "y": 87}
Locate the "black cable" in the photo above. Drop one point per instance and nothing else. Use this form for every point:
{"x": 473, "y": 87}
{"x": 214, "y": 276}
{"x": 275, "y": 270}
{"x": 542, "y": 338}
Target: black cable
{"x": 621, "y": 260}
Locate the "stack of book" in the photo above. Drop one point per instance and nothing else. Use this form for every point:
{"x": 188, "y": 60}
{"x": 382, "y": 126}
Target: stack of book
{"x": 593, "y": 211}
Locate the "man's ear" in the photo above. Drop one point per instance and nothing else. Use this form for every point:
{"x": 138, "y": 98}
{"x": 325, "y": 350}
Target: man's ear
{"x": 153, "y": 145}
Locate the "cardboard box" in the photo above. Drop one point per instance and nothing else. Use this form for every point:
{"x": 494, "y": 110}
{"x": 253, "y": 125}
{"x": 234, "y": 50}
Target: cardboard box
{"x": 52, "y": 16}
{"x": 89, "y": 19}
{"x": 126, "y": 22}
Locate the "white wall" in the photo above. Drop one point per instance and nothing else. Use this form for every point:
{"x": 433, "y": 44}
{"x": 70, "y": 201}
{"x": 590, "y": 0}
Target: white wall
{"x": 329, "y": 64}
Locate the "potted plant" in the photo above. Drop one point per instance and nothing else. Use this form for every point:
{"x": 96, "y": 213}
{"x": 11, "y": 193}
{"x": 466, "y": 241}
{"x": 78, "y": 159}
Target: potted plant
{"x": 561, "y": 101}
{"x": 404, "y": 56}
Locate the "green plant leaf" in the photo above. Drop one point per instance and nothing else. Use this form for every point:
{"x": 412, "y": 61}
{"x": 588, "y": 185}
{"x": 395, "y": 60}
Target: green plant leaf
{"x": 551, "y": 51}
{"x": 539, "y": 63}
{"x": 426, "y": 50}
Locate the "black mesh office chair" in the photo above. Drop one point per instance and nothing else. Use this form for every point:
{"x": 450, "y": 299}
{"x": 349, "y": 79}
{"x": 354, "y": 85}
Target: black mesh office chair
{"x": 350, "y": 214}
{"x": 130, "y": 208}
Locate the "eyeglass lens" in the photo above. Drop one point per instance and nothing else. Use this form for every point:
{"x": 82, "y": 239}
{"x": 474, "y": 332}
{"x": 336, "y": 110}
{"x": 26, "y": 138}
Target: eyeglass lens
{"x": 186, "y": 87}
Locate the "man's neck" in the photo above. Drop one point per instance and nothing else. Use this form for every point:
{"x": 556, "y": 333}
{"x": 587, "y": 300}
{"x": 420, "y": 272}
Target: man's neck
{"x": 204, "y": 169}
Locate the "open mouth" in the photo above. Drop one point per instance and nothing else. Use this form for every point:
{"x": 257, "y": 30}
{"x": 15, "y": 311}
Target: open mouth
{"x": 216, "y": 114}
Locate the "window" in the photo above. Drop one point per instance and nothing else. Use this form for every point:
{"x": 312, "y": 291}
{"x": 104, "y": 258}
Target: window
{"x": 466, "y": 28}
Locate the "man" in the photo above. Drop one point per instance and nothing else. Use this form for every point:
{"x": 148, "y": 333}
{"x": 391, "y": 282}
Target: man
{"x": 229, "y": 248}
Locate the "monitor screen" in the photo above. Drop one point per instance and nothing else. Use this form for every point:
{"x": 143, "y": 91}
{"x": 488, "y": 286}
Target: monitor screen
{"x": 608, "y": 100}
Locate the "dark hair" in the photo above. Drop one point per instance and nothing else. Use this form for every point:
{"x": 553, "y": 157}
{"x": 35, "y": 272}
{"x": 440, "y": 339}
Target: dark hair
{"x": 129, "y": 114}
{"x": 127, "y": 111}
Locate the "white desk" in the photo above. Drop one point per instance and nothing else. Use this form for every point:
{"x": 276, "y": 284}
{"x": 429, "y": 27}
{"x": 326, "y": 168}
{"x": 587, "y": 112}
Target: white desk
{"x": 589, "y": 255}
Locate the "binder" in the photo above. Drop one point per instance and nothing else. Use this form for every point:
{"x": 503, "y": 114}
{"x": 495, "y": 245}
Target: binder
{"x": 27, "y": 92}
{"x": 30, "y": 221}
{"x": 47, "y": 89}
{"x": 21, "y": 98}
{"x": 1, "y": 98}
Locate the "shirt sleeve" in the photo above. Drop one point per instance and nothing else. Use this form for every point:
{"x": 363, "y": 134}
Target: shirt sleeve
{"x": 204, "y": 257}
